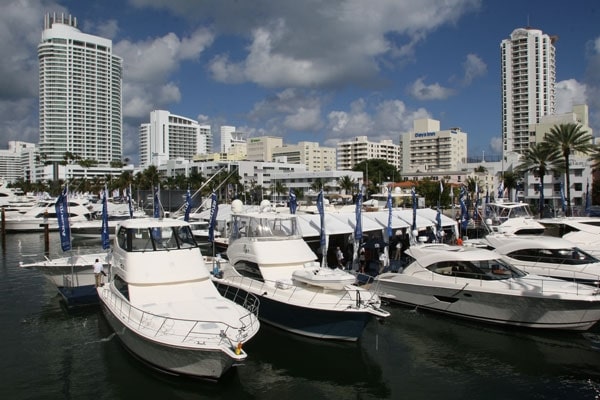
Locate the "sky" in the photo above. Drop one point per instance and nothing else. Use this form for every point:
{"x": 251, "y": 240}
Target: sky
{"x": 308, "y": 70}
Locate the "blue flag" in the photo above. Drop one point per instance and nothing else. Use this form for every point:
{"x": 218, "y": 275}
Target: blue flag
{"x": 588, "y": 199}
{"x": 438, "y": 220}
{"x": 501, "y": 190}
{"x": 188, "y": 205}
{"x": 562, "y": 198}
{"x": 214, "y": 209}
{"x": 322, "y": 215}
{"x": 464, "y": 214}
{"x": 130, "y": 202}
{"x": 541, "y": 199}
{"x": 104, "y": 231}
{"x": 62, "y": 213}
{"x": 156, "y": 203}
{"x": 358, "y": 213}
{"x": 414, "y": 206}
{"x": 293, "y": 203}
{"x": 389, "y": 207}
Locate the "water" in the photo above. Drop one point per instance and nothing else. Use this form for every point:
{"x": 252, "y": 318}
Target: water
{"x": 49, "y": 352}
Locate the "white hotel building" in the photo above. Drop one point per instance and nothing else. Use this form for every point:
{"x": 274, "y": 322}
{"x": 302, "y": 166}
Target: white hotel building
{"x": 427, "y": 148}
{"x": 80, "y": 94}
{"x": 168, "y": 137}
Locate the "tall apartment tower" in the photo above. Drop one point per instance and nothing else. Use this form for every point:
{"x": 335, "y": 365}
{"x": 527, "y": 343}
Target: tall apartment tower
{"x": 80, "y": 94}
{"x": 168, "y": 137}
{"x": 528, "y": 85}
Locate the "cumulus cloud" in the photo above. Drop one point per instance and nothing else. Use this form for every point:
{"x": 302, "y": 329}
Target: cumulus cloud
{"x": 292, "y": 109}
{"x": 474, "y": 67}
{"x": 496, "y": 144}
{"x": 569, "y": 93}
{"x": 148, "y": 65}
{"x": 435, "y": 91}
{"x": 382, "y": 120}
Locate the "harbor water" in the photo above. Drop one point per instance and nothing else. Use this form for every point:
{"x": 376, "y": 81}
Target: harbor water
{"x": 49, "y": 352}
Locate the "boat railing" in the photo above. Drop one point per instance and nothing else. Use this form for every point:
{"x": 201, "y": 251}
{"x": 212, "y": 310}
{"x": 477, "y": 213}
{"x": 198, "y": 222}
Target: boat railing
{"x": 525, "y": 283}
{"x": 298, "y": 294}
{"x": 177, "y": 330}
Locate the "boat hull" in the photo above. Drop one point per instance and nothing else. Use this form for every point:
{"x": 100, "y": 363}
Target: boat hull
{"x": 312, "y": 322}
{"x": 508, "y": 309}
{"x": 198, "y": 363}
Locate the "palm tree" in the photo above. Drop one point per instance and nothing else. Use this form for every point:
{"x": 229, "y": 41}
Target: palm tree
{"x": 567, "y": 139}
{"x": 280, "y": 188}
{"x": 346, "y": 184}
{"x": 539, "y": 159}
{"x": 511, "y": 180}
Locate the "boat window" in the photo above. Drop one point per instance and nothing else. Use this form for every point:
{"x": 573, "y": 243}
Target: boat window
{"x": 249, "y": 270}
{"x": 462, "y": 269}
{"x": 569, "y": 256}
{"x": 121, "y": 286}
{"x": 186, "y": 238}
{"x": 124, "y": 240}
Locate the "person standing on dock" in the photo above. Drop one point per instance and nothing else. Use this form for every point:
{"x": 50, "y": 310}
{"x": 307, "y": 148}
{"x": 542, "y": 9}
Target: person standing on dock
{"x": 98, "y": 272}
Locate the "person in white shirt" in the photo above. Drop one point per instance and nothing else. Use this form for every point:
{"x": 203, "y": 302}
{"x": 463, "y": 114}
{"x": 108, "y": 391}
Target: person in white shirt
{"x": 340, "y": 257}
{"x": 98, "y": 272}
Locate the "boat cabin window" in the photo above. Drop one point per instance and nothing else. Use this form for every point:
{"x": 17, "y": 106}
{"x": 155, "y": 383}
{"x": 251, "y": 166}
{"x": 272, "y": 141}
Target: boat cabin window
{"x": 482, "y": 269}
{"x": 156, "y": 239}
{"x": 568, "y": 256}
{"x": 249, "y": 270}
{"x": 258, "y": 227}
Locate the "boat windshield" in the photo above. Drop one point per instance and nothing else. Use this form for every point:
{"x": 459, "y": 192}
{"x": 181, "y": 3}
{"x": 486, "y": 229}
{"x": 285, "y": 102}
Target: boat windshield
{"x": 566, "y": 256}
{"x": 156, "y": 238}
{"x": 478, "y": 269}
{"x": 264, "y": 227}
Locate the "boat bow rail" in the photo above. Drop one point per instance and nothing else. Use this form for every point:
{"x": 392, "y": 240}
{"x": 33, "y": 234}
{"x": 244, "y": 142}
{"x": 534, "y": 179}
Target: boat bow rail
{"x": 176, "y": 330}
{"x": 354, "y": 298}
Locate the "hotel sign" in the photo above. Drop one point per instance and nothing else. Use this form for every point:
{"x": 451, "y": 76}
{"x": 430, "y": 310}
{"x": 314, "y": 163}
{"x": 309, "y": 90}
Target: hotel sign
{"x": 424, "y": 134}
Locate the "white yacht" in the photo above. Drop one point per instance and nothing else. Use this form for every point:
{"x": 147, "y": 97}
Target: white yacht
{"x": 73, "y": 276}
{"x": 268, "y": 257}
{"x": 547, "y": 256}
{"x": 511, "y": 218}
{"x": 583, "y": 231}
{"x": 43, "y": 213}
{"x": 164, "y": 307}
{"x": 477, "y": 284}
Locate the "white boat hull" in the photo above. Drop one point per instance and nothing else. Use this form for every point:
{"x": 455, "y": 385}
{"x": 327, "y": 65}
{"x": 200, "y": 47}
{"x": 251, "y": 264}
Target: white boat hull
{"x": 191, "y": 361}
{"x": 516, "y": 309}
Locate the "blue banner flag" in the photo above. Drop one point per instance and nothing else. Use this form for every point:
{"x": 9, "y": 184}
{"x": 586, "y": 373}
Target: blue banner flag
{"x": 562, "y": 198}
{"x": 293, "y": 203}
{"x": 438, "y": 221}
{"x": 188, "y": 205}
{"x": 464, "y": 214}
{"x": 104, "y": 232}
{"x": 322, "y": 215}
{"x": 62, "y": 213}
{"x": 501, "y": 190}
{"x": 588, "y": 199}
{"x": 130, "y": 202}
{"x": 414, "y": 206}
{"x": 358, "y": 214}
{"x": 214, "y": 209}
{"x": 156, "y": 203}
{"x": 541, "y": 206}
{"x": 389, "y": 207}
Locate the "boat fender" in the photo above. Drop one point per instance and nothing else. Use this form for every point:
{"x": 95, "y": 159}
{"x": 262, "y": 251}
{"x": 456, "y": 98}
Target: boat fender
{"x": 238, "y": 348}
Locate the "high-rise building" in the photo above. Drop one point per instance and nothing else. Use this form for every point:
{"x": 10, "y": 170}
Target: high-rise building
{"x": 261, "y": 148}
{"x": 528, "y": 85}
{"x": 169, "y": 137}
{"x": 80, "y": 93}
